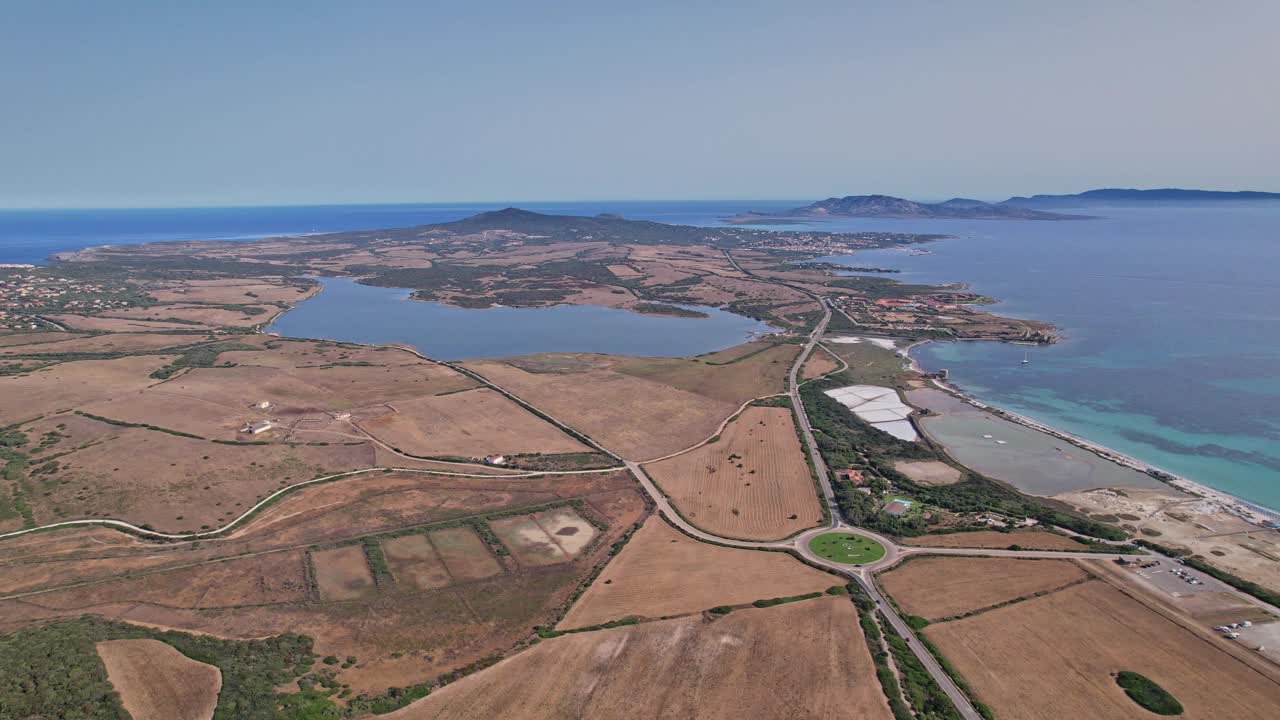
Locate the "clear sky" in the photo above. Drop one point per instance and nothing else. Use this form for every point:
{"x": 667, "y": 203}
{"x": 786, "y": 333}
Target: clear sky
{"x": 172, "y": 102}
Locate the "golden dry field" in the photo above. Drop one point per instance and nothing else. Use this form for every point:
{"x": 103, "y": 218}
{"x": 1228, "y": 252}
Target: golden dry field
{"x": 662, "y": 572}
{"x": 1053, "y": 657}
{"x": 156, "y": 682}
{"x": 942, "y": 587}
{"x": 753, "y": 483}
{"x": 802, "y": 660}
{"x": 991, "y": 539}
{"x": 473, "y": 423}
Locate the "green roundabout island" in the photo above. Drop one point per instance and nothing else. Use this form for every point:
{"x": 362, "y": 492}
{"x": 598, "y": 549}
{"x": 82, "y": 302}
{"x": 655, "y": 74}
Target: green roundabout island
{"x": 846, "y": 548}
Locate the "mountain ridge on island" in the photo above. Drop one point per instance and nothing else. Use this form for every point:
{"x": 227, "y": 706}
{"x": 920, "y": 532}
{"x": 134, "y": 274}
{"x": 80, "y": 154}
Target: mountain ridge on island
{"x": 1132, "y": 196}
{"x": 1034, "y": 207}
{"x": 887, "y": 206}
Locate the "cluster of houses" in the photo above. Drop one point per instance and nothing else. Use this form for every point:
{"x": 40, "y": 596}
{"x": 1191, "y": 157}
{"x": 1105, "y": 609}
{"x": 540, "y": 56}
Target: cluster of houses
{"x": 26, "y": 294}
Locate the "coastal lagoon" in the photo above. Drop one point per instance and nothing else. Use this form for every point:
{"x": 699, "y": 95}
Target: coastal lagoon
{"x": 1031, "y": 461}
{"x": 351, "y": 312}
{"x": 1171, "y": 322}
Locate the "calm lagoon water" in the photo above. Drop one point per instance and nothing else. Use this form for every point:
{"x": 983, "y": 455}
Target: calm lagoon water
{"x": 349, "y": 311}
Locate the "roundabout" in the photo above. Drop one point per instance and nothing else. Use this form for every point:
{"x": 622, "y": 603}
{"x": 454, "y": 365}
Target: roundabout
{"x": 846, "y": 548}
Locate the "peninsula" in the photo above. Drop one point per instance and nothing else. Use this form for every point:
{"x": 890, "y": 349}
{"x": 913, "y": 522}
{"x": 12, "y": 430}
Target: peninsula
{"x": 886, "y": 206}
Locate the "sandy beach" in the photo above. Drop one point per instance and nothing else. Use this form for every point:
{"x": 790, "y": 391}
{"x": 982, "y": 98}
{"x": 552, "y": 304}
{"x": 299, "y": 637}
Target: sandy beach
{"x": 1243, "y": 509}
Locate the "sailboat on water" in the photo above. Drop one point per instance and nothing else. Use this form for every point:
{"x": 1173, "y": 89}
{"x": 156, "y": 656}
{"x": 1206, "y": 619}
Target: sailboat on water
{"x": 1026, "y": 357}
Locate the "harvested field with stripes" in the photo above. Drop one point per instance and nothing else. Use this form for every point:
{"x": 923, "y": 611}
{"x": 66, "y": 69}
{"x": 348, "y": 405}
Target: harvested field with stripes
{"x": 942, "y": 587}
{"x": 662, "y": 572}
{"x": 753, "y": 483}
{"x": 1055, "y": 656}
{"x": 156, "y": 682}
{"x": 802, "y": 660}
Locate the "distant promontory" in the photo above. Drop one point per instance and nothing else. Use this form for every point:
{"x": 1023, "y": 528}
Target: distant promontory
{"x": 885, "y": 206}
{"x": 1035, "y": 207}
{"x": 1125, "y": 196}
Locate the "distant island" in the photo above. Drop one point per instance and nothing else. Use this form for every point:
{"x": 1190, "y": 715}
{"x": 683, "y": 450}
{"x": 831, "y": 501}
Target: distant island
{"x": 886, "y": 206}
{"x": 1015, "y": 208}
{"x": 1123, "y": 196}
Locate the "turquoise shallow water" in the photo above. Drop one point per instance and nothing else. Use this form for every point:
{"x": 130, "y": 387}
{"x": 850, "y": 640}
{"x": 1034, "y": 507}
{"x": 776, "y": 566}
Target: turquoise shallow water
{"x": 1171, "y": 319}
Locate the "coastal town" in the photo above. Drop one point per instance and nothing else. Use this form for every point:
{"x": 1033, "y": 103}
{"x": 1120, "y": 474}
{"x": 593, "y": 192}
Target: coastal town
{"x": 27, "y": 292}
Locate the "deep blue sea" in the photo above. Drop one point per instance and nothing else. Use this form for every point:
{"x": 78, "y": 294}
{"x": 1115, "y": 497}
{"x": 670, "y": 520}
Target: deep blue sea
{"x": 1171, "y": 315}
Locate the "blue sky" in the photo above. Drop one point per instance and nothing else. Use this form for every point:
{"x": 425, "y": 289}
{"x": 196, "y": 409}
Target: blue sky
{"x": 181, "y": 103}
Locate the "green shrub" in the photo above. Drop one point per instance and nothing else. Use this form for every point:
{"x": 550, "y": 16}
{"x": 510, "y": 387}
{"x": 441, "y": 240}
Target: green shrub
{"x": 1146, "y": 693}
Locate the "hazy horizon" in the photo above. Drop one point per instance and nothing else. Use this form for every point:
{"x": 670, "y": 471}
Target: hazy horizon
{"x": 142, "y": 104}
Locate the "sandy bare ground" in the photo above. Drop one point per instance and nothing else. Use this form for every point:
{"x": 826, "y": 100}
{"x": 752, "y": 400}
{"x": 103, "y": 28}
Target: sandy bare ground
{"x": 156, "y": 682}
{"x": 662, "y": 572}
{"x": 942, "y": 587}
{"x": 1176, "y": 519}
{"x": 928, "y": 472}
{"x": 753, "y": 483}
{"x": 803, "y": 660}
{"x": 1053, "y": 657}
{"x": 991, "y": 539}
{"x": 473, "y": 423}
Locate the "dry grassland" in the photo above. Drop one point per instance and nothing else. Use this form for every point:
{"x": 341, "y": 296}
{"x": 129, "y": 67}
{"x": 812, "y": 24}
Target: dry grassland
{"x": 239, "y": 582}
{"x": 464, "y": 554}
{"x": 625, "y": 272}
{"x": 414, "y": 562}
{"x": 113, "y": 343}
{"x": 1053, "y": 657}
{"x": 238, "y": 293}
{"x": 473, "y": 423}
{"x": 819, "y": 363}
{"x": 205, "y": 315}
{"x": 942, "y": 587}
{"x": 640, "y": 407}
{"x": 32, "y": 340}
{"x": 343, "y": 573}
{"x": 72, "y": 384}
{"x": 662, "y": 572}
{"x": 928, "y": 472}
{"x": 803, "y": 660}
{"x": 157, "y": 407}
{"x": 991, "y": 539}
{"x": 752, "y": 484}
{"x": 634, "y": 417}
{"x": 252, "y": 583}
{"x": 116, "y": 325}
{"x": 176, "y": 483}
{"x": 763, "y": 373}
{"x": 156, "y": 682}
